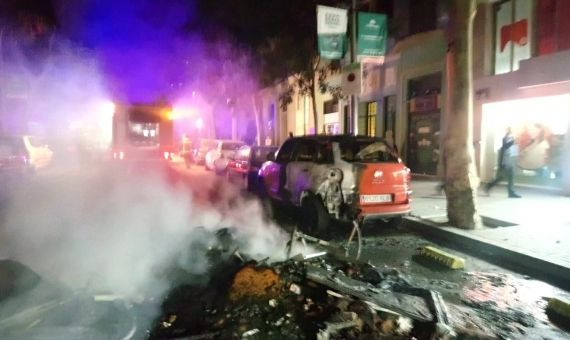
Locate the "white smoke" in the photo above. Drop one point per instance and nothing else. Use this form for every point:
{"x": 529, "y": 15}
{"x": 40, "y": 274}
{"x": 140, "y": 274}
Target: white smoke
{"x": 103, "y": 230}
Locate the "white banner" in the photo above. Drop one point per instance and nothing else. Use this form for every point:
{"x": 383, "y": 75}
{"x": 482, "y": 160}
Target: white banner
{"x": 331, "y": 20}
{"x": 331, "y": 31}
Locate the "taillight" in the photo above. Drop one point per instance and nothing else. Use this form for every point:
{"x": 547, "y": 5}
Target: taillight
{"x": 409, "y": 182}
{"x": 118, "y": 155}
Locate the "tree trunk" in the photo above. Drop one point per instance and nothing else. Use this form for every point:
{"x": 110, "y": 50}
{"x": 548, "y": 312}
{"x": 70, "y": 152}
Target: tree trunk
{"x": 258, "y": 121}
{"x": 314, "y": 102}
{"x": 460, "y": 175}
{"x": 314, "y": 83}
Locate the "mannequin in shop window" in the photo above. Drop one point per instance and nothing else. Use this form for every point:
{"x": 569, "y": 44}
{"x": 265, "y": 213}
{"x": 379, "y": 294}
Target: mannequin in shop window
{"x": 508, "y": 155}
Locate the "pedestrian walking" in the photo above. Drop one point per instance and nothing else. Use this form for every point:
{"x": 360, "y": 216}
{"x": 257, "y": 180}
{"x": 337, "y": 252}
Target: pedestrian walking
{"x": 507, "y": 164}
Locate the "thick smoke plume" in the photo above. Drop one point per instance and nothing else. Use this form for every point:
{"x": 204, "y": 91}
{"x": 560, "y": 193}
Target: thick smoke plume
{"x": 93, "y": 227}
{"x": 118, "y": 231}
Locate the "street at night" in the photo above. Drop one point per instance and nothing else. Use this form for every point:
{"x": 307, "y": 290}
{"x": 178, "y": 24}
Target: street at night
{"x": 285, "y": 169}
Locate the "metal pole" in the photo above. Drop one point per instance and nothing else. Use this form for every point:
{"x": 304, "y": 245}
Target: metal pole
{"x": 353, "y": 118}
{"x": 2, "y": 77}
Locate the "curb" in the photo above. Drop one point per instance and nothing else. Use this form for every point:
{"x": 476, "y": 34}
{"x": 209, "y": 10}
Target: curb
{"x": 497, "y": 254}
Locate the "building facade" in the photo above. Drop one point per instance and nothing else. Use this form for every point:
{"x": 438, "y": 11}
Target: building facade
{"x": 521, "y": 81}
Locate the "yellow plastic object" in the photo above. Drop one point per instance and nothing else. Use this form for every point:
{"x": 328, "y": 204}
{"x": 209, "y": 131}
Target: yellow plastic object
{"x": 251, "y": 281}
{"x": 562, "y": 307}
{"x": 442, "y": 257}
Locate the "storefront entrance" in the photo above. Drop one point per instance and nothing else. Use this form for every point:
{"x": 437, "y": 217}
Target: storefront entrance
{"x": 540, "y": 126}
{"x": 424, "y": 116}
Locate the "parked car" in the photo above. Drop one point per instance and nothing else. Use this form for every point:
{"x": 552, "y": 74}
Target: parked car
{"x": 341, "y": 177}
{"x": 204, "y": 146}
{"x": 187, "y": 152}
{"x": 14, "y": 164}
{"x": 217, "y": 159}
{"x": 243, "y": 169}
{"x": 36, "y": 153}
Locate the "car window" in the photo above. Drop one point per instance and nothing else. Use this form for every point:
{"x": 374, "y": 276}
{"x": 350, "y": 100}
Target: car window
{"x": 243, "y": 154}
{"x": 206, "y": 145}
{"x": 231, "y": 146}
{"x": 285, "y": 152}
{"x": 259, "y": 155}
{"x": 367, "y": 151}
{"x": 10, "y": 147}
{"x": 305, "y": 151}
{"x": 324, "y": 153}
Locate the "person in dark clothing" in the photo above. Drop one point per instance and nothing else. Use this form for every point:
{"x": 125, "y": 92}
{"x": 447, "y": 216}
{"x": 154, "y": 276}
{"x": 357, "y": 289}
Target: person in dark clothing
{"x": 507, "y": 164}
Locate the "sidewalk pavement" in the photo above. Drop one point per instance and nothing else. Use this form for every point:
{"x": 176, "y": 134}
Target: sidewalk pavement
{"x": 531, "y": 233}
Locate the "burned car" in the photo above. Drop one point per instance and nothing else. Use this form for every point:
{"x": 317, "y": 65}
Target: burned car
{"x": 243, "y": 169}
{"x": 341, "y": 177}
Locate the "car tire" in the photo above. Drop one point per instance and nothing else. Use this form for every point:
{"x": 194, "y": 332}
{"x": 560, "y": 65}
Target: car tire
{"x": 314, "y": 216}
{"x": 267, "y": 204}
{"x": 246, "y": 182}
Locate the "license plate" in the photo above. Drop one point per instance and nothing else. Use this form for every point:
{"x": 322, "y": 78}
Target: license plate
{"x": 375, "y": 198}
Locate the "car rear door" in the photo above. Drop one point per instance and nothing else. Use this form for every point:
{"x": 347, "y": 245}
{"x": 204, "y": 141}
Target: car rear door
{"x": 274, "y": 172}
{"x": 300, "y": 169}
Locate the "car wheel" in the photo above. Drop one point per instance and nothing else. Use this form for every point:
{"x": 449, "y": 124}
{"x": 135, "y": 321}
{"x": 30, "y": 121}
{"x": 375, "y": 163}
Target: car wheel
{"x": 245, "y": 182}
{"x": 267, "y": 203}
{"x": 314, "y": 217}
{"x": 268, "y": 208}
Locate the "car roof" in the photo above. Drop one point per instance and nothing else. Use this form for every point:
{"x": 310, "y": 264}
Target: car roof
{"x": 338, "y": 138}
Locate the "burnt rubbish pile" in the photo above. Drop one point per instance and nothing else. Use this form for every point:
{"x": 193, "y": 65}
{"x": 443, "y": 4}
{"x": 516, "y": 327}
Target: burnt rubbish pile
{"x": 317, "y": 296}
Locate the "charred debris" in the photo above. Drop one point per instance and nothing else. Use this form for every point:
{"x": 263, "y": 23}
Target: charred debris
{"x": 318, "y": 296}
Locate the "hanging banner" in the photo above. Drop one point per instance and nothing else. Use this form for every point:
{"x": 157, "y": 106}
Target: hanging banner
{"x": 372, "y": 34}
{"x": 331, "y": 30}
{"x": 370, "y": 87}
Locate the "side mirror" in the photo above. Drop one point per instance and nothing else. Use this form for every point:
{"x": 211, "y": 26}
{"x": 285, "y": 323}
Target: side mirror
{"x": 271, "y": 157}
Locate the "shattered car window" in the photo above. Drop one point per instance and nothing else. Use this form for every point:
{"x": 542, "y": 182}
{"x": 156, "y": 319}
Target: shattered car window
{"x": 367, "y": 151}
{"x": 231, "y": 146}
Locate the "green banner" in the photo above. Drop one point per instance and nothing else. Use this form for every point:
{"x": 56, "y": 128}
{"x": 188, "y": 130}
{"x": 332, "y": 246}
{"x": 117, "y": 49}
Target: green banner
{"x": 332, "y": 46}
{"x": 372, "y": 34}
{"x": 331, "y": 30}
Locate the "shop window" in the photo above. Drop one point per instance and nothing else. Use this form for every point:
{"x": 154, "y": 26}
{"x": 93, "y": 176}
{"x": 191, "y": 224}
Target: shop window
{"x": 389, "y": 114}
{"x": 371, "y": 112}
{"x": 553, "y": 27}
{"x": 513, "y": 34}
{"x": 331, "y": 106}
{"x": 540, "y": 126}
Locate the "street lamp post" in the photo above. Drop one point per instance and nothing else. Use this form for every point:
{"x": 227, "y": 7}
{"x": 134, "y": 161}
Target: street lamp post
{"x": 2, "y": 76}
{"x": 353, "y": 117}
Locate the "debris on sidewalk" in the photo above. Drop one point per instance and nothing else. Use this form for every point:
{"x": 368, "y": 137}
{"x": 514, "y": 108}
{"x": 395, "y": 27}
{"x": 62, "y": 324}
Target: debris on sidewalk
{"x": 442, "y": 257}
{"x": 308, "y": 296}
{"x": 558, "y": 310}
